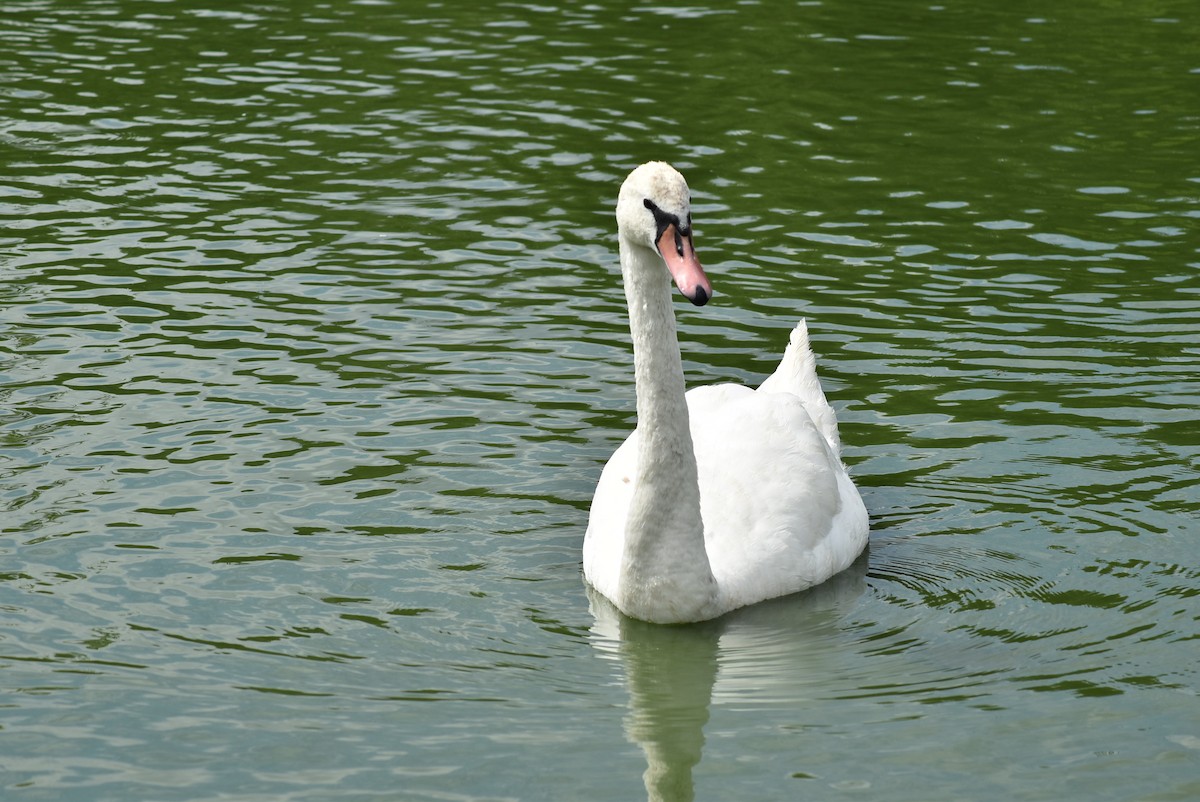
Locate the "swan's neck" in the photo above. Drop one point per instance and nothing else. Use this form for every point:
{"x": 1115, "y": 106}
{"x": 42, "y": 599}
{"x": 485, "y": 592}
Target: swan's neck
{"x": 665, "y": 573}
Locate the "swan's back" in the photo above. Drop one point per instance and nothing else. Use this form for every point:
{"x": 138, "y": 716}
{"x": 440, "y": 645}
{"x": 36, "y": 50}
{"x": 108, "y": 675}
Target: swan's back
{"x": 780, "y": 514}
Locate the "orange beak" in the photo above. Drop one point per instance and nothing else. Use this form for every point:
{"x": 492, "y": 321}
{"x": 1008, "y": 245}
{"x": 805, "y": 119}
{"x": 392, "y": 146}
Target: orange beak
{"x": 680, "y": 255}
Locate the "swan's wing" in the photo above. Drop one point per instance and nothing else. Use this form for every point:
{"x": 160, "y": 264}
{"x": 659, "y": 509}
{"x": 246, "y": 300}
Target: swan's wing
{"x": 605, "y": 538}
{"x": 797, "y": 375}
{"x": 780, "y": 512}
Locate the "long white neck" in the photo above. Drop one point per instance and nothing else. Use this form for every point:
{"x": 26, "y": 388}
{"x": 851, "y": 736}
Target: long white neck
{"x": 665, "y": 573}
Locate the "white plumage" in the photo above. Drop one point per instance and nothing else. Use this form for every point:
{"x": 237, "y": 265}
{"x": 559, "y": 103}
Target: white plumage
{"x": 723, "y": 496}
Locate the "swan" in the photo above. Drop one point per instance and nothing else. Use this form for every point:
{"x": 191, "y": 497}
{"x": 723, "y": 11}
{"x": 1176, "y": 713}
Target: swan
{"x": 722, "y": 496}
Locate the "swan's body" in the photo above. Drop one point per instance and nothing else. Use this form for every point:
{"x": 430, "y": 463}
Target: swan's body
{"x": 722, "y": 496}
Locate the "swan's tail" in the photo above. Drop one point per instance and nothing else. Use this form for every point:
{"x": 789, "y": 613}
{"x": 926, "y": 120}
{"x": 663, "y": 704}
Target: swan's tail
{"x": 797, "y": 374}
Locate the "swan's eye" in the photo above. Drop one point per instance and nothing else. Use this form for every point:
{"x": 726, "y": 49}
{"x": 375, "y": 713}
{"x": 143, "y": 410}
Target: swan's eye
{"x": 663, "y": 219}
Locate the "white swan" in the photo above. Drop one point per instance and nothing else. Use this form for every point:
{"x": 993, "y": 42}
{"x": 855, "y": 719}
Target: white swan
{"x": 748, "y": 502}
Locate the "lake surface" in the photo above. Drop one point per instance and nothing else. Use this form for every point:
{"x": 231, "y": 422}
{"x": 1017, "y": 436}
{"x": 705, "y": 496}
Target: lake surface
{"x": 313, "y": 346}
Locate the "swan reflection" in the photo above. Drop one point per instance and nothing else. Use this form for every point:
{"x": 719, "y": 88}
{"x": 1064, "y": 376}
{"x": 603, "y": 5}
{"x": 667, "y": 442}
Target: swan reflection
{"x": 776, "y": 652}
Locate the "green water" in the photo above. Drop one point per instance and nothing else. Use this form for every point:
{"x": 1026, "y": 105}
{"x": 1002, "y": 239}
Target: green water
{"x": 312, "y": 345}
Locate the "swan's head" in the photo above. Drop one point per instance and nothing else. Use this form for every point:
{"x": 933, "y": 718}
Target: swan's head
{"x": 654, "y": 210}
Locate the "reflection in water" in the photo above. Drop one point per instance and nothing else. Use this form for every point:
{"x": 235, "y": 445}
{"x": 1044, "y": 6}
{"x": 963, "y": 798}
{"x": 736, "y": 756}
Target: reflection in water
{"x": 775, "y": 652}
